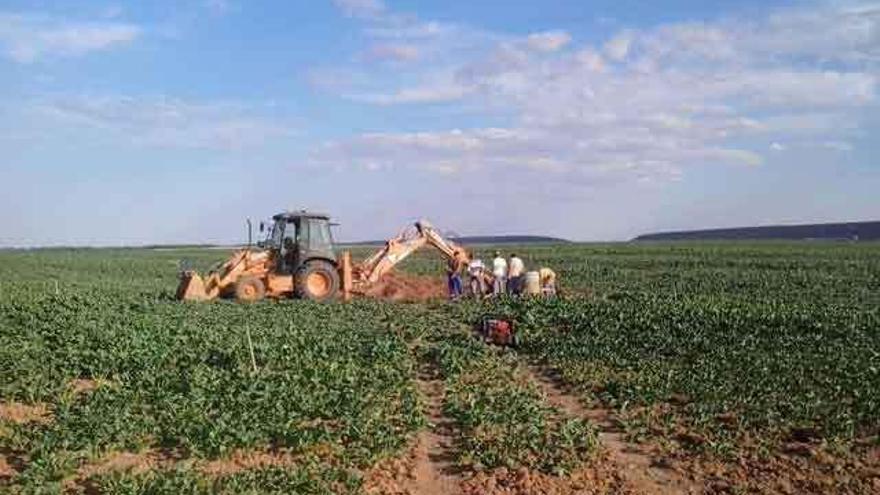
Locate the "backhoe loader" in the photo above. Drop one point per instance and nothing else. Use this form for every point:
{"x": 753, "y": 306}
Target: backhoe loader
{"x": 298, "y": 258}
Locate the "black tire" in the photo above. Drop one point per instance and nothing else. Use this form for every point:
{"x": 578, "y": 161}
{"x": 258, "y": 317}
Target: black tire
{"x": 249, "y": 289}
{"x": 316, "y": 280}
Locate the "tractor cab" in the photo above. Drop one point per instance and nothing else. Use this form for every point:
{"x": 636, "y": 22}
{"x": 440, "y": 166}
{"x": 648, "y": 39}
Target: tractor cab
{"x": 298, "y": 237}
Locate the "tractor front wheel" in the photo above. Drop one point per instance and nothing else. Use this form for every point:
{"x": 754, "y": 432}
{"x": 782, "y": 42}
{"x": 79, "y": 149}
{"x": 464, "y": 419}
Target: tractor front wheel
{"x": 317, "y": 280}
{"x": 249, "y": 289}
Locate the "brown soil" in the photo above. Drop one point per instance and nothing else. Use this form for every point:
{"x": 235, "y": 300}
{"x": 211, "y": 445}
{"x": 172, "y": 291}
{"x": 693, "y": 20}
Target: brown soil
{"x": 599, "y": 477}
{"x": 17, "y": 413}
{"x": 397, "y": 286}
{"x": 243, "y": 460}
{"x": 391, "y": 476}
{"x": 237, "y": 461}
{"x": 801, "y": 468}
{"x": 85, "y": 385}
{"x": 6, "y": 470}
{"x": 640, "y": 470}
{"x": 120, "y": 461}
{"x": 428, "y": 468}
{"x": 672, "y": 466}
{"x": 110, "y": 463}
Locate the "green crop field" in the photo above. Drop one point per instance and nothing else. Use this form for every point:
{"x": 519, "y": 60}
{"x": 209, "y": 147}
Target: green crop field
{"x": 734, "y": 354}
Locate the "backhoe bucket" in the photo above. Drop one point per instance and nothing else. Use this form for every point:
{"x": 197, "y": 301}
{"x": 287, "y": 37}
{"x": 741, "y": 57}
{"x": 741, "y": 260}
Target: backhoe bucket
{"x": 191, "y": 288}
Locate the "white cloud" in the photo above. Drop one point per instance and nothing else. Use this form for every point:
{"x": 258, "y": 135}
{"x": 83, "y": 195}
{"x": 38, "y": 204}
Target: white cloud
{"x": 644, "y": 105}
{"x": 548, "y": 41}
{"x": 437, "y": 93}
{"x": 617, "y": 48}
{"x": 166, "y": 122}
{"x": 361, "y": 8}
{"x": 26, "y": 38}
{"x": 395, "y": 52}
{"x": 412, "y": 30}
{"x": 838, "y": 145}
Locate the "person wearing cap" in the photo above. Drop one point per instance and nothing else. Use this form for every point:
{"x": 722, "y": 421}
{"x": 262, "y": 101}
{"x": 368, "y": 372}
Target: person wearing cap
{"x": 516, "y": 269}
{"x": 499, "y": 271}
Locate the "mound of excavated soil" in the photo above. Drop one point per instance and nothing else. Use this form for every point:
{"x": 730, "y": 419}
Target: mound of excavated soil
{"x": 397, "y": 286}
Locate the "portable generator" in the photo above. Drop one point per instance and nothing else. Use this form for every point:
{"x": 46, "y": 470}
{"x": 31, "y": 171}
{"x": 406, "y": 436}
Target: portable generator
{"x": 499, "y": 331}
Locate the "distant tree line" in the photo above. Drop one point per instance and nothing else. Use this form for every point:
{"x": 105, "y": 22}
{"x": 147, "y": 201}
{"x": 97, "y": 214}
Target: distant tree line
{"x": 850, "y": 231}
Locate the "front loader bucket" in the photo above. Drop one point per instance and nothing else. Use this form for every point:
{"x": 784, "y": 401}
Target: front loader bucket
{"x": 191, "y": 288}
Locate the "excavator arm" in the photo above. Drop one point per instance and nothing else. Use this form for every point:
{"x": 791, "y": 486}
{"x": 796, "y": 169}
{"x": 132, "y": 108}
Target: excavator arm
{"x": 396, "y": 250}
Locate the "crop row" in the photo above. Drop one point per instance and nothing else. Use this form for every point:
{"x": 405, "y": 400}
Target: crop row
{"x": 502, "y": 420}
{"x": 725, "y": 366}
{"x": 180, "y": 378}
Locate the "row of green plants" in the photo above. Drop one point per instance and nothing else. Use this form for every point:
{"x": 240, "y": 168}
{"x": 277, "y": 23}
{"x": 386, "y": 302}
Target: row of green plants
{"x": 775, "y": 341}
{"x": 501, "y": 418}
{"x": 198, "y": 381}
{"x": 309, "y": 479}
{"x": 723, "y": 367}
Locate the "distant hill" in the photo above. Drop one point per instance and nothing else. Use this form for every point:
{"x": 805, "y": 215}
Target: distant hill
{"x": 850, "y": 231}
{"x": 485, "y": 239}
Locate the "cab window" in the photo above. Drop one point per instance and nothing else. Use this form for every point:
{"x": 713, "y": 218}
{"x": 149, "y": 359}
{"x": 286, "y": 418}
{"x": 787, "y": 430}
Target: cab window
{"x": 290, "y": 238}
{"x": 319, "y": 235}
{"x": 277, "y": 232}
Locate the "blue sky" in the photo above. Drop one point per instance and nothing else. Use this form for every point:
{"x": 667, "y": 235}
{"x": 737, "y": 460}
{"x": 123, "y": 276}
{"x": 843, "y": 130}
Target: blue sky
{"x": 172, "y": 121}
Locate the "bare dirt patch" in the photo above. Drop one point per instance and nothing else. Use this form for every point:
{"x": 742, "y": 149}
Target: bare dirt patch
{"x": 428, "y": 468}
{"x": 120, "y": 462}
{"x": 112, "y": 462}
{"x": 435, "y": 471}
{"x": 11, "y": 463}
{"x": 642, "y": 472}
{"x": 391, "y": 476}
{"x": 243, "y": 460}
{"x": 599, "y": 477}
{"x": 806, "y": 468}
{"x": 397, "y": 286}
{"x": 6, "y": 470}
{"x": 85, "y": 385}
{"x": 17, "y": 413}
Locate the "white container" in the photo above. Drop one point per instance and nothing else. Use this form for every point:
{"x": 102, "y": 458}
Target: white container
{"x": 533, "y": 284}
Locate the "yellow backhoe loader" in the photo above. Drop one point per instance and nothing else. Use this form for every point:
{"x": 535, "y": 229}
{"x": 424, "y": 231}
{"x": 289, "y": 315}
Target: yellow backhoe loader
{"x": 299, "y": 259}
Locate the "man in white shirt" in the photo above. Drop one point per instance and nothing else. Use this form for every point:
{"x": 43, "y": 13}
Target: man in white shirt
{"x": 478, "y": 276}
{"x": 499, "y": 271}
{"x": 516, "y": 270}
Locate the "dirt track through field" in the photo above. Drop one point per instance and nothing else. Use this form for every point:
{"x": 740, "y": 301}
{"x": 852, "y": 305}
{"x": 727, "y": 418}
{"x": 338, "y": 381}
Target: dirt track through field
{"x": 636, "y": 467}
{"x": 434, "y": 472}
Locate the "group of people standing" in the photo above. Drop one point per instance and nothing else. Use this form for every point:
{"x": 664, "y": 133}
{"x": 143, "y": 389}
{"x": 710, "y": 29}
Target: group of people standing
{"x": 507, "y": 276}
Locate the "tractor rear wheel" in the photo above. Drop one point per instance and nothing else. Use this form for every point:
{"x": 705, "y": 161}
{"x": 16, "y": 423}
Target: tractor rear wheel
{"x": 317, "y": 280}
{"x": 249, "y": 289}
